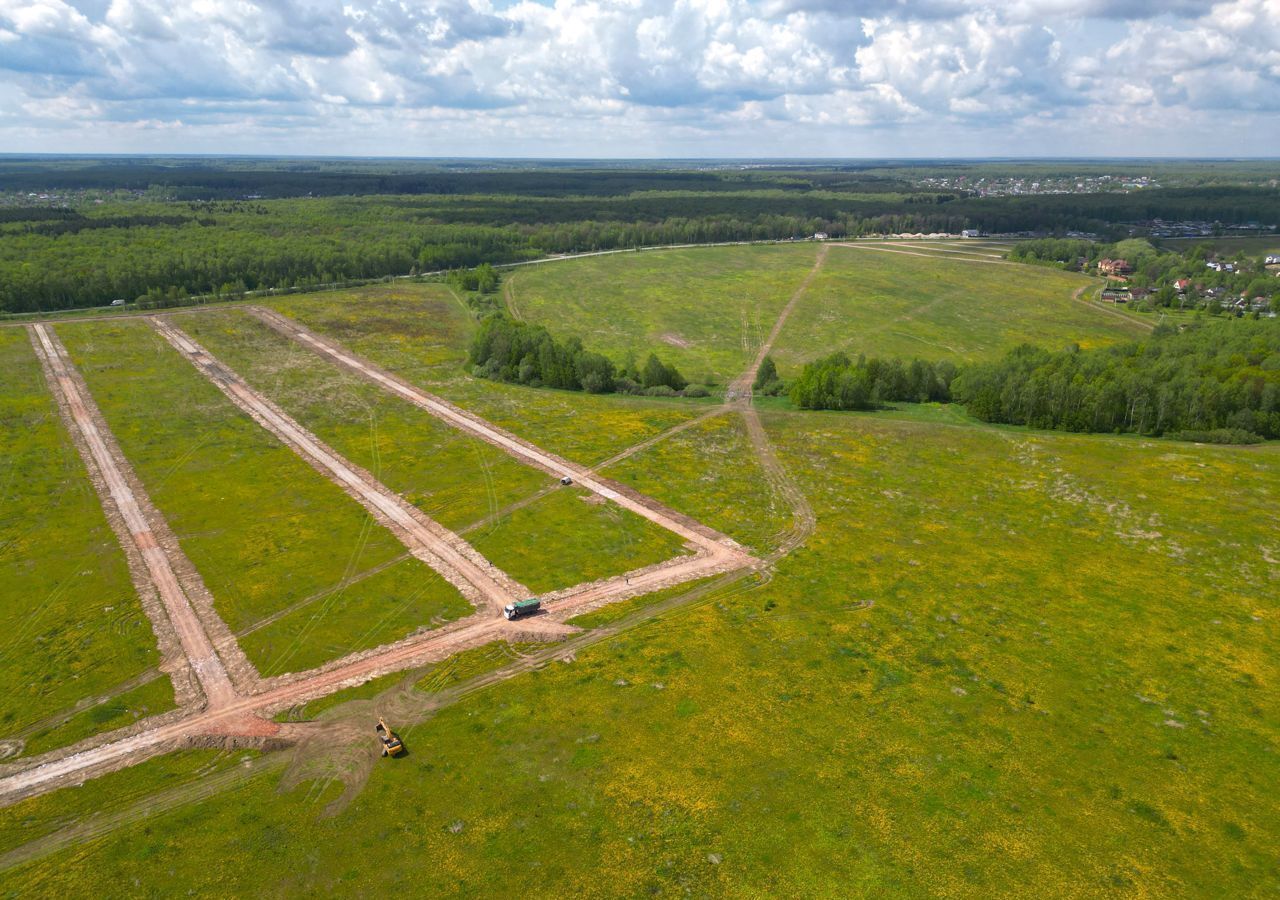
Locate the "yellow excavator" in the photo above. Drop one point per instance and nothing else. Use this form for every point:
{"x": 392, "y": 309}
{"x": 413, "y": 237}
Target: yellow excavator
{"x": 391, "y": 743}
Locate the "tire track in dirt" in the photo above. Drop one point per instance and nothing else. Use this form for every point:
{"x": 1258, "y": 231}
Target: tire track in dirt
{"x": 741, "y": 395}
{"x": 458, "y": 562}
{"x": 742, "y": 384}
{"x": 144, "y": 535}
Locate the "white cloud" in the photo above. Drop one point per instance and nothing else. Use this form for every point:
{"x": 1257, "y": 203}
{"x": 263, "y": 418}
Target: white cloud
{"x": 769, "y": 77}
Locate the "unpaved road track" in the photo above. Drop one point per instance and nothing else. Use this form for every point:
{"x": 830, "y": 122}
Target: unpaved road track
{"x": 196, "y": 646}
{"x": 894, "y": 249}
{"x": 238, "y": 715}
{"x": 441, "y": 549}
{"x": 742, "y": 385}
{"x": 704, "y": 538}
{"x": 741, "y": 395}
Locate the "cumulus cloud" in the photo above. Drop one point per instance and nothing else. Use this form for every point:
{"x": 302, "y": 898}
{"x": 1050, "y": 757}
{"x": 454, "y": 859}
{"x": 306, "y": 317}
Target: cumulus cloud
{"x": 796, "y": 77}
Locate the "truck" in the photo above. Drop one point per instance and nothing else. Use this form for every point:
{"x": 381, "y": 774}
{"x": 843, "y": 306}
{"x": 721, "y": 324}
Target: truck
{"x": 522, "y": 608}
{"x": 391, "y": 743}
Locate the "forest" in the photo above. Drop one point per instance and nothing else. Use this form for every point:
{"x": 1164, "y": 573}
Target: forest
{"x": 505, "y": 349}
{"x": 837, "y": 382}
{"x": 163, "y": 232}
{"x": 1209, "y": 382}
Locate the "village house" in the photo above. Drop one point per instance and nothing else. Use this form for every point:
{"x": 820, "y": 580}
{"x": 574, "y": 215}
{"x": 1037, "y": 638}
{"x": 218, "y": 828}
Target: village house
{"x": 1115, "y": 295}
{"x": 1114, "y": 267}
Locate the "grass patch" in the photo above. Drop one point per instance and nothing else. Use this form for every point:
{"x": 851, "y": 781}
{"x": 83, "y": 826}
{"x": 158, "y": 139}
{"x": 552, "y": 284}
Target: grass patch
{"x": 614, "y": 612}
{"x": 264, "y": 529}
{"x": 710, "y": 472}
{"x": 30, "y": 819}
{"x": 452, "y": 477}
{"x": 402, "y": 599}
{"x": 148, "y": 699}
{"x": 71, "y": 622}
{"x": 892, "y": 304}
{"x": 1044, "y": 607}
{"x": 706, "y": 310}
{"x": 570, "y": 536}
{"x": 470, "y": 663}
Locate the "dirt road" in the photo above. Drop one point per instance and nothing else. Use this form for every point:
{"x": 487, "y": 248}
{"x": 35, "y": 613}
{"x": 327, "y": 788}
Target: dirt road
{"x": 124, "y": 495}
{"x": 741, "y": 387}
{"x": 240, "y": 715}
{"x": 702, "y": 537}
{"x": 893, "y": 249}
{"x": 456, "y": 560}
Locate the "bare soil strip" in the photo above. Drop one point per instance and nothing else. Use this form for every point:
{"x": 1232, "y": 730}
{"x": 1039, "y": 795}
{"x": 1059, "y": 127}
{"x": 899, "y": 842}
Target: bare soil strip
{"x": 456, "y": 560}
{"x": 886, "y": 249}
{"x": 690, "y": 531}
{"x": 240, "y": 718}
{"x": 149, "y": 539}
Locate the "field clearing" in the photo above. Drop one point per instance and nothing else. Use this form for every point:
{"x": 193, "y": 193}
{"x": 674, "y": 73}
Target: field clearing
{"x": 705, "y": 310}
{"x": 892, "y": 304}
{"x": 421, "y": 332}
{"x": 545, "y": 544}
{"x": 710, "y": 472}
{"x": 454, "y": 478}
{"x": 1004, "y": 660}
{"x": 263, "y": 528}
{"x": 572, "y": 536}
{"x": 72, "y": 623}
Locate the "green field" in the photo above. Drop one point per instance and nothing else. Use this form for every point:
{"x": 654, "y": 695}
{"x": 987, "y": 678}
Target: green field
{"x": 262, "y": 527}
{"x": 570, "y": 536}
{"x": 893, "y": 304}
{"x": 709, "y": 471}
{"x": 552, "y": 542}
{"x": 1006, "y": 662}
{"x": 421, "y": 332}
{"x": 1059, "y": 683}
{"x": 705, "y": 310}
{"x": 930, "y": 300}
{"x": 73, "y": 627}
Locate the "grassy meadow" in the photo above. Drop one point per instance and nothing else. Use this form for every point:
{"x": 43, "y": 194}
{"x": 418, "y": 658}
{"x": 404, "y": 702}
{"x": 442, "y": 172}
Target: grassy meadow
{"x": 894, "y": 304}
{"x": 264, "y": 529}
{"x": 1005, "y": 661}
{"x": 706, "y": 310}
{"x": 421, "y": 332}
{"x": 543, "y": 542}
{"x": 72, "y": 624}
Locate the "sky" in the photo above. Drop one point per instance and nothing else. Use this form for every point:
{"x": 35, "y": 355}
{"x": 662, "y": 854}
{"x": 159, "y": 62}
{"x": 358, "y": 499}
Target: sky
{"x": 642, "y": 78}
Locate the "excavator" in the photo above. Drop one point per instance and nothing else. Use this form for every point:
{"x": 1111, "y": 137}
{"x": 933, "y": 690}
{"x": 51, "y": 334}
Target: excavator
{"x": 391, "y": 743}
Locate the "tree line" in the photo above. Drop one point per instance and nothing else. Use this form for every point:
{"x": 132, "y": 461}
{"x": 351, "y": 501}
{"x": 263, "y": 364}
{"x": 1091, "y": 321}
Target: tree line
{"x": 1218, "y": 382}
{"x": 837, "y": 382}
{"x": 169, "y": 249}
{"x": 504, "y": 349}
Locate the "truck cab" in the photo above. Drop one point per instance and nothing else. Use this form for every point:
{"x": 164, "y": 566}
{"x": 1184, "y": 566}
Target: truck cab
{"x": 521, "y": 608}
